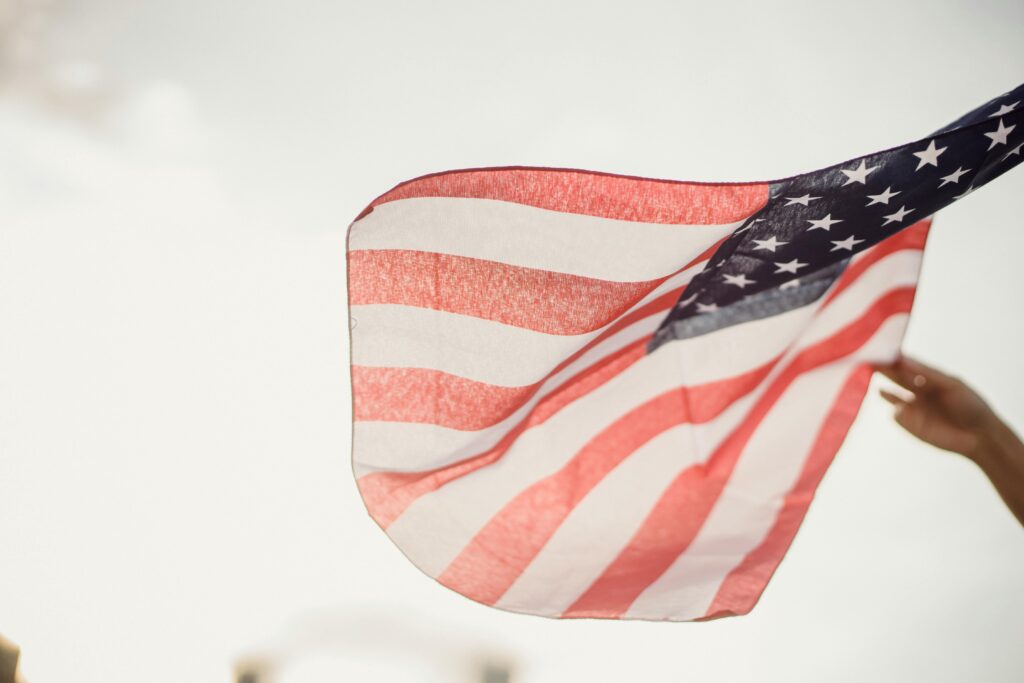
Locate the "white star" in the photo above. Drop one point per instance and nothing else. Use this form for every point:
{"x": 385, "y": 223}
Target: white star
{"x": 882, "y": 198}
{"x": 998, "y": 136}
{"x": 790, "y": 201}
{"x": 823, "y": 223}
{"x": 965, "y": 193}
{"x": 769, "y": 244}
{"x": 1005, "y": 109}
{"x": 858, "y": 175}
{"x": 1015, "y": 150}
{"x": 898, "y": 216}
{"x": 953, "y": 177}
{"x": 740, "y": 280}
{"x": 929, "y": 156}
{"x": 792, "y": 283}
{"x": 845, "y": 244}
{"x": 706, "y": 308}
{"x": 687, "y": 301}
{"x": 789, "y": 267}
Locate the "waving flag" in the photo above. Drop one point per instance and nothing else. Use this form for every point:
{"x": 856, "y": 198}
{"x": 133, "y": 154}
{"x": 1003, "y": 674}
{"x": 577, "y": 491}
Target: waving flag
{"x": 585, "y": 395}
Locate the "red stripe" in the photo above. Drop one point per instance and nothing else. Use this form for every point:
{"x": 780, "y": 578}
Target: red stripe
{"x": 680, "y": 512}
{"x": 540, "y": 300}
{"x": 484, "y": 576}
{"x": 433, "y": 397}
{"x": 388, "y": 494}
{"x": 743, "y": 586}
{"x": 593, "y": 194}
{"x": 913, "y": 237}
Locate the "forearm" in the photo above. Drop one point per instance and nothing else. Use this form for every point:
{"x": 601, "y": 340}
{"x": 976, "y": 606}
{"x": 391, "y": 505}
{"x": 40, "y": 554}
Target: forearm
{"x": 1000, "y": 455}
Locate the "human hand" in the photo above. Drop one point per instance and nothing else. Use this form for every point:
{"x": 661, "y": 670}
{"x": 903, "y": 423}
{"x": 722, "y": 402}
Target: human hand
{"x": 941, "y": 410}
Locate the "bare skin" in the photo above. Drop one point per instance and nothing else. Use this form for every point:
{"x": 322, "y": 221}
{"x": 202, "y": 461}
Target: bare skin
{"x": 945, "y": 412}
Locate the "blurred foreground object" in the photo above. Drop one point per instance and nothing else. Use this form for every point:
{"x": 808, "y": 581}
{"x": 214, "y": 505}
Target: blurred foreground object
{"x": 9, "y": 654}
{"x": 31, "y": 68}
{"x": 945, "y": 412}
{"x": 578, "y": 394}
{"x": 375, "y": 643}
{"x": 254, "y": 670}
{"x": 259, "y": 671}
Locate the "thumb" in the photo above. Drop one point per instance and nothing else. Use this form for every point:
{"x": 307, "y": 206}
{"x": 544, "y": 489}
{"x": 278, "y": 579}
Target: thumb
{"x": 903, "y": 411}
{"x": 911, "y": 417}
{"x": 898, "y": 401}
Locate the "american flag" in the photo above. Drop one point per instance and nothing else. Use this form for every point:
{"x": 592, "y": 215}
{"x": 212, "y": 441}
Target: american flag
{"x": 578, "y": 394}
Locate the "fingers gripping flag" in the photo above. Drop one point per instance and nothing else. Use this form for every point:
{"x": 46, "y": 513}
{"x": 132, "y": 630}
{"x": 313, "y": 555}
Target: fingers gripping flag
{"x": 586, "y": 395}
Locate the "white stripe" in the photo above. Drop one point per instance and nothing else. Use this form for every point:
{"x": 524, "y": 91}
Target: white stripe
{"x": 392, "y": 335}
{"x": 516, "y": 234}
{"x": 898, "y": 269}
{"x": 767, "y": 469}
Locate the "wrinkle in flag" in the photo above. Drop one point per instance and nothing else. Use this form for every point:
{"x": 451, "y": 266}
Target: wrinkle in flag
{"x": 578, "y": 394}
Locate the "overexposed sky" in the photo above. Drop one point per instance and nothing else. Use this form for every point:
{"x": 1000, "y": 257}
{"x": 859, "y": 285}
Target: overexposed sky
{"x": 176, "y": 179}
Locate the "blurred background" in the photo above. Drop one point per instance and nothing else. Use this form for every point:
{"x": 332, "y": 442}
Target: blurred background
{"x": 176, "y": 179}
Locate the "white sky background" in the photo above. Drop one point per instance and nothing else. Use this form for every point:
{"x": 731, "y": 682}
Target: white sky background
{"x": 176, "y": 179}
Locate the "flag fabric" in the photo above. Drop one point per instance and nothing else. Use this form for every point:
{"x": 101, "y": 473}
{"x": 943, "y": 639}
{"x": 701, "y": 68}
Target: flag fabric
{"x": 578, "y": 394}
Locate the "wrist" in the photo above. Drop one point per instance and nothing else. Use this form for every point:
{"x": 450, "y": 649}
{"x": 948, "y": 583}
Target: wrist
{"x": 995, "y": 444}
